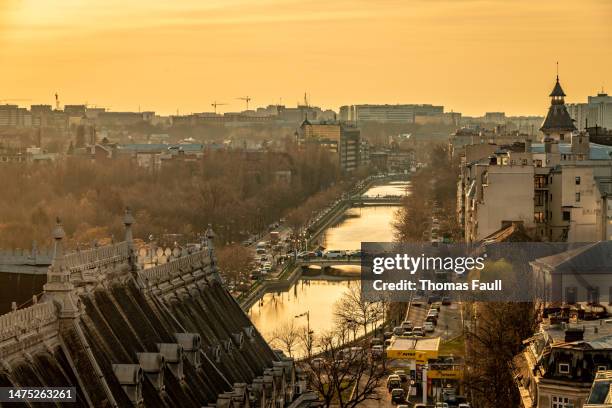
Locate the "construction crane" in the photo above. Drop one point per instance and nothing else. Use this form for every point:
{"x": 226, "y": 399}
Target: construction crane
{"x": 215, "y": 104}
{"x": 247, "y": 99}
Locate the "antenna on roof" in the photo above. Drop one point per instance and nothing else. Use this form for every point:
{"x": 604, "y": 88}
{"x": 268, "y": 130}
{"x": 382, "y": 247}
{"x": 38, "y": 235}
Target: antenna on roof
{"x": 557, "y": 70}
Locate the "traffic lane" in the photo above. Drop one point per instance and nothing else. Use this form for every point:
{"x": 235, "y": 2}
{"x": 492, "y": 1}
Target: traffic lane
{"x": 449, "y": 321}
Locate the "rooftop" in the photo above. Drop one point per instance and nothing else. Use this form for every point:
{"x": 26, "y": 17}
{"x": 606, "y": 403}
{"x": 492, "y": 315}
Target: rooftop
{"x": 597, "y": 151}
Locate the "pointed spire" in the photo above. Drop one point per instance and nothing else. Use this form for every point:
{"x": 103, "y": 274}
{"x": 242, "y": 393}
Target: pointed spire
{"x": 128, "y": 220}
{"x": 59, "y": 286}
{"x": 58, "y": 236}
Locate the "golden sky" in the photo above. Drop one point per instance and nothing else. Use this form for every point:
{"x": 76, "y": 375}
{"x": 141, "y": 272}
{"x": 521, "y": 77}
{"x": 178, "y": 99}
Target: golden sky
{"x": 471, "y": 56}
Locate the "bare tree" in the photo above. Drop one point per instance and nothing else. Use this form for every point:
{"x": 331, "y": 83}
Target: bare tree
{"x": 351, "y": 311}
{"x": 494, "y": 338}
{"x": 286, "y": 337}
{"x": 344, "y": 377}
{"x": 234, "y": 262}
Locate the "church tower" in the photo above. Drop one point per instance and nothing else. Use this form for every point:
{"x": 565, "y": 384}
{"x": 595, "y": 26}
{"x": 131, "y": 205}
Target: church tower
{"x": 558, "y": 125}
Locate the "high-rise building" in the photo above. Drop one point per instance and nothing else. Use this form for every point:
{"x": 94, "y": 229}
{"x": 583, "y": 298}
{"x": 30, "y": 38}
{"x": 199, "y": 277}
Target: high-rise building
{"x": 13, "y": 115}
{"x": 406, "y": 113}
{"x": 339, "y": 138}
{"x": 596, "y": 112}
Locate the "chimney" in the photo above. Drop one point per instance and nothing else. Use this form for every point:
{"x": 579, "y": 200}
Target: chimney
{"x": 574, "y": 334}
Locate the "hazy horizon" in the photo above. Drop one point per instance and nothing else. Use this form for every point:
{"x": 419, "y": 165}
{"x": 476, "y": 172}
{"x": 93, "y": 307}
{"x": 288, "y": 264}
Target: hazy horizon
{"x": 472, "y": 56}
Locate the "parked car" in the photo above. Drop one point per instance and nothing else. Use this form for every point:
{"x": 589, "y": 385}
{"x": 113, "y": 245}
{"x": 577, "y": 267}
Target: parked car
{"x": 398, "y": 395}
{"x": 446, "y": 301}
{"x": 393, "y": 381}
{"x": 317, "y": 362}
{"x": 464, "y": 405}
{"x": 441, "y": 405}
{"x": 398, "y": 330}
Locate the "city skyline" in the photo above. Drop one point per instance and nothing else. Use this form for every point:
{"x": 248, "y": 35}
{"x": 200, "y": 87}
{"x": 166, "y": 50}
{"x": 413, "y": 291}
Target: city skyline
{"x": 472, "y": 56}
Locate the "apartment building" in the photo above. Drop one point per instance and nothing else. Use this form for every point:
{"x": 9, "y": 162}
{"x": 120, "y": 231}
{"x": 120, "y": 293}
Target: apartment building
{"x": 570, "y": 186}
{"x": 14, "y": 116}
{"x": 400, "y": 113}
{"x": 597, "y": 111}
{"x": 339, "y": 138}
{"x": 560, "y": 363}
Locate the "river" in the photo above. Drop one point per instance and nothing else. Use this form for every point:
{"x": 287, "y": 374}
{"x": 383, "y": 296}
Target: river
{"x": 317, "y": 295}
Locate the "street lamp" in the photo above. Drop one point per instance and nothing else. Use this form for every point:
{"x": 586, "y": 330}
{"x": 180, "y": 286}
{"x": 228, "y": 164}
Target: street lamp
{"x": 308, "y": 332}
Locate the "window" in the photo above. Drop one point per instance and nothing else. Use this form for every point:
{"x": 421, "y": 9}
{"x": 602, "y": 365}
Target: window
{"x": 566, "y": 215}
{"x": 570, "y": 295}
{"x": 538, "y": 163}
{"x": 561, "y": 402}
{"x": 610, "y": 295}
{"x": 593, "y": 296}
{"x": 538, "y": 216}
{"x": 577, "y": 180}
{"x": 577, "y": 197}
{"x": 524, "y": 162}
{"x": 602, "y": 368}
{"x": 540, "y": 181}
{"x": 562, "y": 136}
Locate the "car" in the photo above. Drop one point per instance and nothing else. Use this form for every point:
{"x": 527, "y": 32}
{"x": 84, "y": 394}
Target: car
{"x": 398, "y": 395}
{"x": 432, "y": 319}
{"x": 334, "y": 254}
{"x": 407, "y": 332}
{"x": 393, "y": 381}
{"x": 464, "y": 405}
{"x": 407, "y": 325}
{"x": 403, "y": 406}
{"x": 436, "y": 305}
{"x": 433, "y": 312}
{"x": 441, "y": 405}
{"x": 418, "y": 331}
{"x": 387, "y": 335}
{"x": 306, "y": 255}
{"x": 402, "y": 375}
{"x": 398, "y": 330}
{"x": 433, "y": 299}
{"x": 317, "y": 362}
{"x": 377, "y": 350}
{"x": 428, "y": 327}
{"x": 446, "y": 301}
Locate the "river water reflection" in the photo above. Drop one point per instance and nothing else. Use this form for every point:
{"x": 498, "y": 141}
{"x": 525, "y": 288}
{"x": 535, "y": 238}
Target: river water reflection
{"x": 319, "y": 294}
